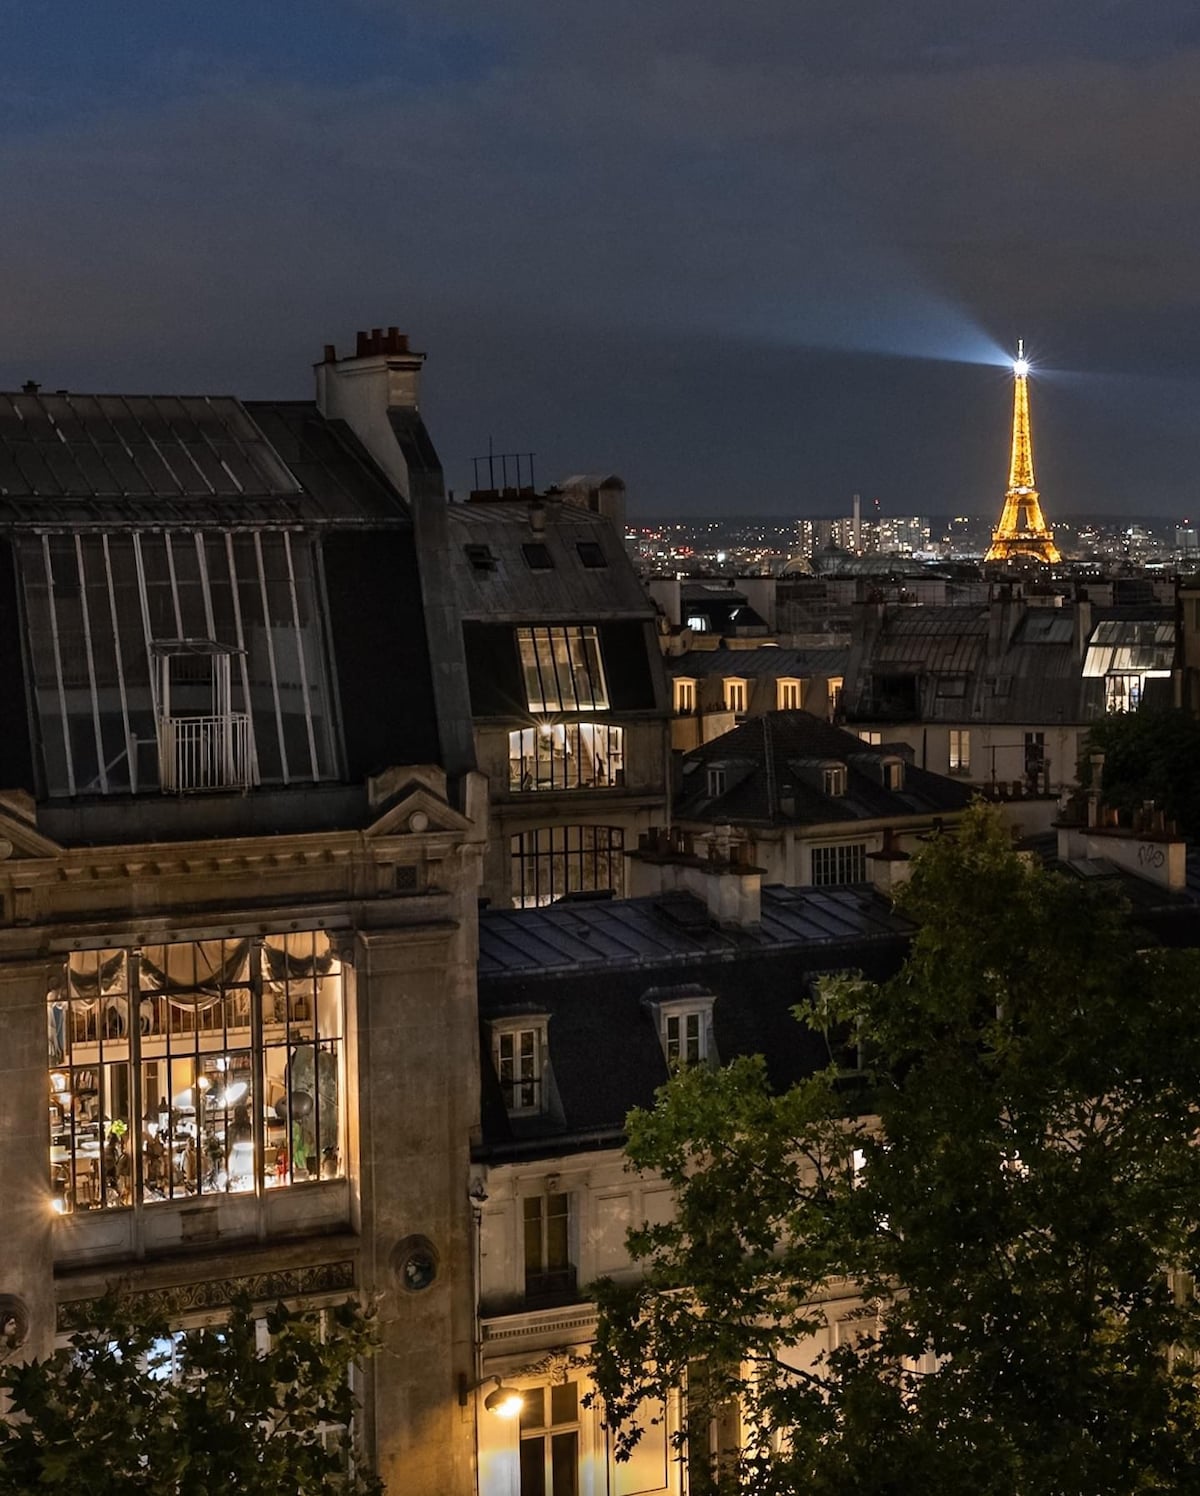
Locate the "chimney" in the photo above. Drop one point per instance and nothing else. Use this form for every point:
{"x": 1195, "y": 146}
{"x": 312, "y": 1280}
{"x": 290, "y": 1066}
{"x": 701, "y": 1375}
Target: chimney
{"x": 382, "y": 377}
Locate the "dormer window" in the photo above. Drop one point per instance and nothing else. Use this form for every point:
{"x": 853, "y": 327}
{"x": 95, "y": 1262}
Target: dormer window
{"x": 684, "y": 1019}
{"x": 789, "y": 694}
{"x": 833, "y": 779}
{"x": 685, "y": 696}
{"x": 716, "y": 781}
{"x": 735, "y": 696}
{"x": 893, "y": 773}
{"x": 563, "y": 669}
{"x": 519, "y": 1054}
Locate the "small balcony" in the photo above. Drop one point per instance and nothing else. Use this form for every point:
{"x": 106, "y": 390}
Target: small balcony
{"x": 206, "y": 753}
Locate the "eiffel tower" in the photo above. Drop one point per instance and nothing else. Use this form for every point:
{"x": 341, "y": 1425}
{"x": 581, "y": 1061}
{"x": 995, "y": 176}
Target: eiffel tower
{"x": 1022, "y": 530}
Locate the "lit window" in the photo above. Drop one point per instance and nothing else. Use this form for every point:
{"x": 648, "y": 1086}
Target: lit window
{"x": 735, "y": 695}
{"x": 788, "y": 695}
{"x": 204, "y": 1067}
{"x": 549, "y": 1272}
{"x": 893, "y": 773}
{"x": 566, "y": 756}
{"x": 563, "y": 669}
{"x": 557, "y": 860}
{"x": 550, "y": 1444}
{"x": 834, "y": 687}
{"x": 518, "y": 1052}
{"x": 844, "y": 863}
{"x": 872, "y": 736}
{"x": 698, "y": 623}
{"x": 1122, "y": 693}
{"x": 685, "y": 695}
{"x": 960, "y": 750}
{"x": 833, "y": 779}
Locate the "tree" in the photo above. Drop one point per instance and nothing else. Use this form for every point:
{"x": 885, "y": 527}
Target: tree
{"x": 1011, "y": 1180}
{"x": 1149, "y": 755}
{"x": 129, "y": 1408}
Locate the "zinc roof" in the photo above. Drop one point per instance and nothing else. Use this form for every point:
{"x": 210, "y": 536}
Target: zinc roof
{"x": 81, "y": 459}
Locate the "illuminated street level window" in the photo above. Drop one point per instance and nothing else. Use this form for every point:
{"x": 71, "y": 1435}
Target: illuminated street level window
{"x": 205, "y": 1067}
{"x": 550, "y": 1441}
{"x": 566, "y": 756}
{"x": 563, "y": 669}
{"x": 844, "y": 863}
{"x": 557, "y": 860}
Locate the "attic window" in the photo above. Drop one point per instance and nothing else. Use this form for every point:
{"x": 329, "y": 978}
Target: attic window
{"x": 591, "y": 553}
{"x": 685, "y": 1027}
{"x": 952, "y": 686}
{"x": 519, "y": 1055}
{"x": 789, "y": 694}
{"x": 716, "y": 781}
{"x": 833, "y": 779}
{"x": 893, "y": 773}
{"x": 537, "y": 556}
{"x": 480, "y": 557}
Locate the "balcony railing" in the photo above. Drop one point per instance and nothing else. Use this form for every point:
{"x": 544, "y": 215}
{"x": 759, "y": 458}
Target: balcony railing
{"x": 206, "y": 753}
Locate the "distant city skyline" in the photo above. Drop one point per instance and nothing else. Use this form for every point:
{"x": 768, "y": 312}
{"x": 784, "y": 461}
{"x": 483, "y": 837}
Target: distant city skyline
{"x": 750, "y": 259}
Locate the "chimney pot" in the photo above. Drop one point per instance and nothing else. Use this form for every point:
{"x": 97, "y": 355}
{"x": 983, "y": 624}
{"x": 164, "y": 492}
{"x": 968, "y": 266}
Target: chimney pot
{"x": 330, "y": 354}
{"x": 30, "y": 387}
{"x": 376, "y": 334}
{"x": 360, "y": 345}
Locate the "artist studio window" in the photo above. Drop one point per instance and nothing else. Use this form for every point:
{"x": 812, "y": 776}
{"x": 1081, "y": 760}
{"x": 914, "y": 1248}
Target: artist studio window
{"x": 554, "y": 861}
{"x": 563, "y": 668}
{"x": 199, "y": 1068}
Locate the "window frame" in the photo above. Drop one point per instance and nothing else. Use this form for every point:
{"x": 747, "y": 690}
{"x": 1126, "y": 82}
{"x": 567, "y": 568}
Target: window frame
{"x": 513, "y": 1032}
{"x": 959, "y": 750}
{"x": 735, "y": 692}
{"x": 562, "y": 666}
{"x": 829, "y": 861}
{"x": 787, "y": 687}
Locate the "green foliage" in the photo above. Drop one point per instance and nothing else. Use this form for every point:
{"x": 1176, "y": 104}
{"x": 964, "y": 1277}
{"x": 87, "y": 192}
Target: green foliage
{"x": 1006, "y": 1189}
{"x": 106, "y": 1416}
{"x": 1149, "y": 756}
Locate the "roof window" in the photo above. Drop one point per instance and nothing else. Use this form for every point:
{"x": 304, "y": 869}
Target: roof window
{"x": 480, "y": 556}
{"x": 537, "y": 556}
{"x": 591, "y": 553}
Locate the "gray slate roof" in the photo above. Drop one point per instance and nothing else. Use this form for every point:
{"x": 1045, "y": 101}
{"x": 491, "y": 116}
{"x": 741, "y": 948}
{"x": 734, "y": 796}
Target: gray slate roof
{"x": 773, "y": 775}
{"x": 83, "y": 460}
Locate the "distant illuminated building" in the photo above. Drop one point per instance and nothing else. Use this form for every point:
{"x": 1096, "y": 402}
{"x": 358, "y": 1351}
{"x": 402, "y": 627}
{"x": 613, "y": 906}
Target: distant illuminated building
{"x": 1022, "y": 530}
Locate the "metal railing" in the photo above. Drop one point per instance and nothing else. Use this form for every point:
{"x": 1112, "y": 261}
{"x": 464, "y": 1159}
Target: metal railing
{"x": 206, "y": 753}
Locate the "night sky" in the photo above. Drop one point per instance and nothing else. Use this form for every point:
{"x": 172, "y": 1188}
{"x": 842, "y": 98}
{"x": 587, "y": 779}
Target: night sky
{"x": 751, "y": 254}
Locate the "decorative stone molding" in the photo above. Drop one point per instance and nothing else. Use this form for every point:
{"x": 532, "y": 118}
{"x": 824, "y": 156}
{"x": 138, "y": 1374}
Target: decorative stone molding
{"x": 219, "y": 1293}
{"x": 14, "y": 1322}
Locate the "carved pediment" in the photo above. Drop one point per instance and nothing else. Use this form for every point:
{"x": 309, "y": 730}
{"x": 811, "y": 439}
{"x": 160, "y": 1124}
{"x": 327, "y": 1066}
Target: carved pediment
{"x": 417, "y": 811}
{"x": 19, "y": 836}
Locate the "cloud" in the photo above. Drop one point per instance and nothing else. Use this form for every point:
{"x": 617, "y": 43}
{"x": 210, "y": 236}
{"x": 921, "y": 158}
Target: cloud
{"x": 596, "y": 195}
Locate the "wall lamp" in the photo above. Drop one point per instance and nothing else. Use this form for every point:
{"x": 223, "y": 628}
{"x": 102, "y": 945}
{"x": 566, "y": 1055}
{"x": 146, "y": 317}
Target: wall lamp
{"x": 505, "y": 1402}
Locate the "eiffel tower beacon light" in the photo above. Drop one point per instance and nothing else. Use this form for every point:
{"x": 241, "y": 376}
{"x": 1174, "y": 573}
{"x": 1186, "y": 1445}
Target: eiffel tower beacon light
{"x": 1022, "y": 530}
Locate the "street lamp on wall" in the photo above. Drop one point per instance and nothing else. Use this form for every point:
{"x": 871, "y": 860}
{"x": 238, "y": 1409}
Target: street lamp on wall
{"x": 505, "y": 1402}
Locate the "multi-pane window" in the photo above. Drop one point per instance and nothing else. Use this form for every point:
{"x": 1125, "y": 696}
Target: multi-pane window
{"x": 550, "y": 1441}
{"x": 683, "y": 1038}
{"x": 203, "y": 1067}
{"x": 549, "y": 1271}
{"x": 228, "y": 626}
{"x": 846, "y": 862}
{"x": 557, "y": 860}
{"x": 1035, "y": 754}
{"x": 788, "y": 695}
{"x": 835, "y": 696}
{"x": 685, "y": 695}
{"x": 871, "y": 735}
{"x": 893, "y": 773}
{"x": 960, "y": 750}
{"x": 833, "y": 779}
{"x": 518, "y": 1057}
{"x": 563, "y": 669}
{"x": 716, "y": 780}
{"x": 566, "y": 756}
{"x": 735, "y": 695}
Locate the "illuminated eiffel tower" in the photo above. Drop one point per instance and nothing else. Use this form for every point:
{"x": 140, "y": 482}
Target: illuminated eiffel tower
{"x": 1022, "y": 530}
